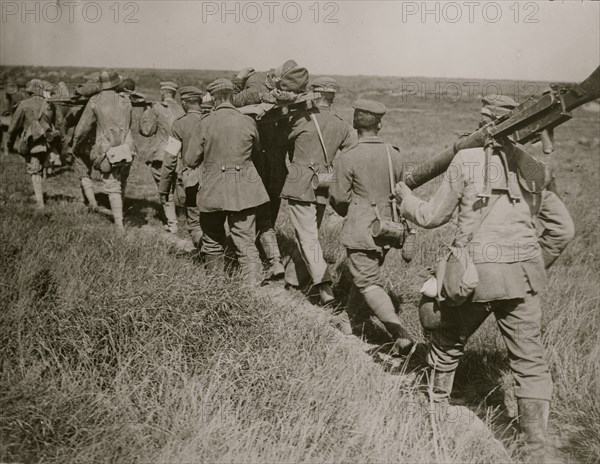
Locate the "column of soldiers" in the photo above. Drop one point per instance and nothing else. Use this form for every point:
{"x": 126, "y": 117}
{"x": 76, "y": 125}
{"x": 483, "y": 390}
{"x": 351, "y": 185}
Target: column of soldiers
{"x": 230, "y": 172}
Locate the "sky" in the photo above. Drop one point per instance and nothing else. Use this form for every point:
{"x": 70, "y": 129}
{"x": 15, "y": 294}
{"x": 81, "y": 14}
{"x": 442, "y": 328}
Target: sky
{"x": 551, "y": 41}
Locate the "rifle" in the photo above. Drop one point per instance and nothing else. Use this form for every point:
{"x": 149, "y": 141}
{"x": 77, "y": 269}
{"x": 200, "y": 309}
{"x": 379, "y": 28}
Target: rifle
{"x": 531, "y": 121}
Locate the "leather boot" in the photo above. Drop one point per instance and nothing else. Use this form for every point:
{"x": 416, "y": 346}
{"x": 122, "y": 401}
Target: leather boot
{"x": 89, "y": 195}
{"x": 533, "y": 419}
{"x": 38, "y": 190}
{"x": 270, "y": 248}
{"x": 381, "y": 304}
{"x": 326, "y": 293}
{"x": 441, "y": 387}
{"x": 116, "y": 205}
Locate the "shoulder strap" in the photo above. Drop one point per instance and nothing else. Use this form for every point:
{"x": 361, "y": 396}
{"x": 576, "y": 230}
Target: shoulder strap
{"x": 314, "y": 119}
{"x": 392, "y": 182}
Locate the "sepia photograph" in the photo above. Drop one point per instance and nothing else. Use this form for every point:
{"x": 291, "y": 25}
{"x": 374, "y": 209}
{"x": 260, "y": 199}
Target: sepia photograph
{"x": 299, "y": 232}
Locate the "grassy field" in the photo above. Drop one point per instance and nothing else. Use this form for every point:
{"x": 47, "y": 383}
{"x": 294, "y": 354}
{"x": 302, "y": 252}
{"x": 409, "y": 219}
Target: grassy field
{"x": 121, "y": 349}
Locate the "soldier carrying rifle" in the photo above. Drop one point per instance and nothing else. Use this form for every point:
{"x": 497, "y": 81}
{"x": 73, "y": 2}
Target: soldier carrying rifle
{"x": 496, "y": 235}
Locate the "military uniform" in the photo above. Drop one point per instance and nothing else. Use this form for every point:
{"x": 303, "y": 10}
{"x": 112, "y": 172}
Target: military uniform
{"x": 362, "y": 194}
{"x": 175, "y": 174}
{"x": 306, "y": 202}
{"x": 31, "y": 110}
{"x": 225, "y": 147}
{"x": 156, "y": 121}
{"x": 110, "y": 113}
{"x": 510, "y": 256}
{"x": 272, "y": 168}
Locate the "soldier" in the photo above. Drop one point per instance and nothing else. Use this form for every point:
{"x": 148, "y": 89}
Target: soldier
{"x": 110, "y": 113}
{"x": 249, "y": 90}
{"x": 306, "y": 201}
{"x": 82, "y": 164}
{"x": 227, "y": 145}
{"x": 510, "y": 257}
{"x": 34, "y": 121}
{"x": 157, "y": 120}
{"x": 362, "y": 174}
{"x": 176, "y": 176}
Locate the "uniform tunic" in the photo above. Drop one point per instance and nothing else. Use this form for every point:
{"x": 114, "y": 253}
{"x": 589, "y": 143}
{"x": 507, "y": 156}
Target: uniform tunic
{"x": 306, "y": 154}
{"x": 227, "y": 145}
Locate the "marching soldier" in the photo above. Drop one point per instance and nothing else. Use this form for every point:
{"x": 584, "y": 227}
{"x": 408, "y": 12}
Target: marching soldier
{"x": 315, "y": 138}
{"x": 227, "y": 145}
{"x": 510, "y": 258}
{"x": 82, "y": 164}
{"x": 176, "y": 176}
{"x": 157, "y": 120}
{"x": 249, "y": 90}
{"x": 362, "y": 186}
{"x": 34, "y": 121}
{"x": 114, "y": 148}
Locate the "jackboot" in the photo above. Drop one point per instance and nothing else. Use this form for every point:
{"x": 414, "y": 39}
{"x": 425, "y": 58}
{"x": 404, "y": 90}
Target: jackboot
{"x": 89, "y": 195}
{"x": 270, "y": 248}
{"x": 326, "y": 293}
{"x": 38, "y": 190}
{"x": 171, "y": 215}
{"x": 381, "y": 304}
{"x": 116, "y": 205}
{"x": 533, "y": 419}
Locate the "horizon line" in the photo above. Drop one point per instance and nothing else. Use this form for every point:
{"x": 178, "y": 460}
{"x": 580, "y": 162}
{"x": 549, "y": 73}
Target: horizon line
{"x": 310, "y": 73}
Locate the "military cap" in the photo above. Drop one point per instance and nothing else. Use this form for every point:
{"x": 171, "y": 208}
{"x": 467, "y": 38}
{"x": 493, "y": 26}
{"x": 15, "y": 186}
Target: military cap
{"x": 189, "y": 91}
{"x": 169, "y": 85}
{"x": 108, "y": 80}
{"x": 495, "y": 106}
{"x": 21, "y": 82}
{"x": 220, "y": 84}
{"x": 36, "y": 87}
{"x": 369, "y": 106}
{"x": 324, "y": 84}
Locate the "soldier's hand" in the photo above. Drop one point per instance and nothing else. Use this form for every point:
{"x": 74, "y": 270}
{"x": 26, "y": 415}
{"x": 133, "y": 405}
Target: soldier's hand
{"x": 401, "y": 191}
{"x": 246, "y": 73}
{"x": 164, "y": 198}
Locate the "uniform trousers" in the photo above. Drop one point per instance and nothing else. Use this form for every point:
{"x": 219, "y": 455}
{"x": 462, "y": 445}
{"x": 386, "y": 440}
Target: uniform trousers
{"x": 307, "y": 219}
{"x": 242, "y": 228}
{"x": 519, "y": 322}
